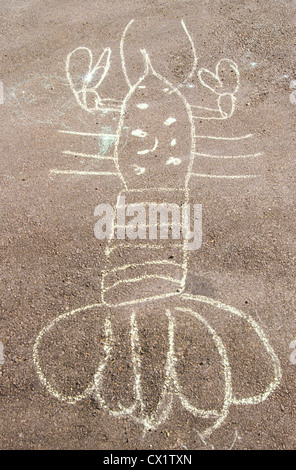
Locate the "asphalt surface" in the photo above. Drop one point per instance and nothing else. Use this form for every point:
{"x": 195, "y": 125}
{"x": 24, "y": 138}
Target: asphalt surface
{"x": 51, "y": 262}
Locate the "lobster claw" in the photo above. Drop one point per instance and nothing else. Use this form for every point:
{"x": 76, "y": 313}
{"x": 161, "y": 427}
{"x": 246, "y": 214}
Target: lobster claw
{"x": 85, "y": 78}
{"x": 224, "y": 83}
{"x": 224, "y": 80}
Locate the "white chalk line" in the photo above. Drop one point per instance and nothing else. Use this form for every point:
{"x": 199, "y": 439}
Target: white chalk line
{"x": 208, "y": 155}
{"x": 216, "y": 76}
{"x": 85, "y": 86}
{"x": 146, "y": 263}
{"x": 205, "y": 108}
{"x": 141, "y": 279}
{"x": 141, "y": 300}
{"x": 275, "y": 361}
{"x": 91, "y": 71}
{"x": 223, "y": 138}
{"x": 203, "y": 175}
{"x": 227, "y": 376}
{"x": 169, "y": 121}
{"x": 108, "y": 250}
{"x": 144, "y": 152}
{"x": 219, "y": 90}
{"x": 171, "y": 385}
{"x": 208, "y": 113}
{"x": 84, "y": 173}
{"x": 148, "y": 67}
{"x": 212, "y": 118}
{"x": 186, "y": 185}
{"x": 234, "y": 440}
{"x": 66, "y": 398}
{"x": 87, "y": 155}
{"x": 139, "y": 133}
{"x": 139, "y": 170}
{"x": 170, "y": 388}
{"x": 122, "y": 54}
{"x": 90, "y": 134}
{"x": 166, "y": 399}
{"x": 195, "y": 59}
{"x": 169, "y": 190}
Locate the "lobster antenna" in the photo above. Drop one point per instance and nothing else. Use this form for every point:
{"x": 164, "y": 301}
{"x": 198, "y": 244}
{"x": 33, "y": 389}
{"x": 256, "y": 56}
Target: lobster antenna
{"x": 195, "y": 58}
{"x": 147, "y": 61}
{"x": 122, "y": 53}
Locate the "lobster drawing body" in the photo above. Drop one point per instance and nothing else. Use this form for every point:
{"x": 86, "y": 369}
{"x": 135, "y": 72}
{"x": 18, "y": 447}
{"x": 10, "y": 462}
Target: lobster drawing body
{"x": 155, "y": 166}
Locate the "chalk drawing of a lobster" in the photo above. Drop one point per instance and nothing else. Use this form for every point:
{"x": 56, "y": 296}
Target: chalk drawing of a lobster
{"x": 158, "y": 170}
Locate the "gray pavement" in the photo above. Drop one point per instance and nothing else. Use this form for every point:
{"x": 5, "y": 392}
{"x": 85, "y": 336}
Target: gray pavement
{"x": 190, "y": 349}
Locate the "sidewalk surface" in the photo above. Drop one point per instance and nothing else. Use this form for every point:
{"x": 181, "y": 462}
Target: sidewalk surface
{"x": 175, "y": 349}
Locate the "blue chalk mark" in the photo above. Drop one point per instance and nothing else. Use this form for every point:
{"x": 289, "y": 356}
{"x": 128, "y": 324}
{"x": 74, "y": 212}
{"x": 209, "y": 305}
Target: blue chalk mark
{"x": 106, "y": 141}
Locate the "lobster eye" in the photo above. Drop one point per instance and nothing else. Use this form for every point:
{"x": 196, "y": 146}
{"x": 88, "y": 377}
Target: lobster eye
{"x": 139, "y": 170}
{"x": 139, "y": 133}
{"x": 169, "y": 121}
{"x": 173, "y": 161}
